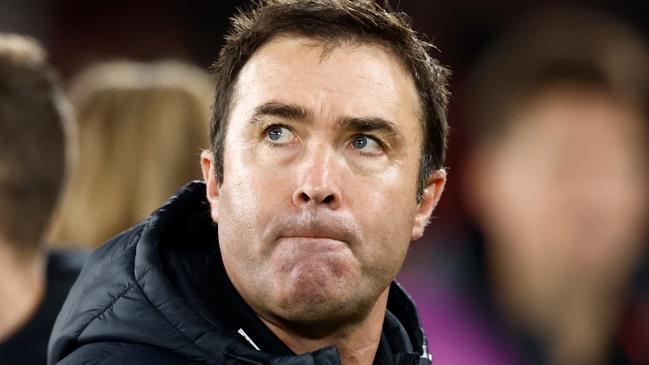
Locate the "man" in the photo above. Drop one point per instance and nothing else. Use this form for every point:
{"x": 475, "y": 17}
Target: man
{"x": 33, "y": 124}
{"x": 328, "y": 140}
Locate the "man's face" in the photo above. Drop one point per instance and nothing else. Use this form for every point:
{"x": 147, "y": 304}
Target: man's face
{"x": 318, "y": 202}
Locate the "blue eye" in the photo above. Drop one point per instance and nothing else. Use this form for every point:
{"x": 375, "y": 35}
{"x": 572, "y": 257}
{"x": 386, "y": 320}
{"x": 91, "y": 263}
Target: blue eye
{"x": 359, "y": 142}
{"x": 278, "y": 134}
{"x": 366, "y": 144}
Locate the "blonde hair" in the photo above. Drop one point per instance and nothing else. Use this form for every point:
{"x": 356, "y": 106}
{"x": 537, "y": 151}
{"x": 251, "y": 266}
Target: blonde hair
{"x": 141, "y": 129}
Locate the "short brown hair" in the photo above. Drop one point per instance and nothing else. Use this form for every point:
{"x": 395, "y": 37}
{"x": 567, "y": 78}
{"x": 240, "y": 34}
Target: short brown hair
{"x": 32, "y": 142}
{"x": 331, "y": 21}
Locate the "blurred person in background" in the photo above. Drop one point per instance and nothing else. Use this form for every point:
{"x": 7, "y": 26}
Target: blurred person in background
{"x": 34, "y": 128}
{"x": 557, "y": 182}
{"x": 141, "y": 127}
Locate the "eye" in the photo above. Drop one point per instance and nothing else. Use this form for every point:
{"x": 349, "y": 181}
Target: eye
{"x": 278, "y": 134}
{"x": 366, "y": 144}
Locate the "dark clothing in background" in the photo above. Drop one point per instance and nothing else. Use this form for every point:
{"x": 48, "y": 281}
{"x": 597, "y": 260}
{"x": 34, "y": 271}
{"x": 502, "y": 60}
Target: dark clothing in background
{"x": 29, "y": 344}
{"x": 158, "y": 293}
{"x": 460, "y": 268}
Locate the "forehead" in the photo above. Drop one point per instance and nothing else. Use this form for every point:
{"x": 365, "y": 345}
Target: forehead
{"x": 347, "y": 77}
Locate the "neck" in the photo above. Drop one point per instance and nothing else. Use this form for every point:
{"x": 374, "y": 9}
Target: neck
{"x": 356, "y": 343}
{"x": 22, "y": 285}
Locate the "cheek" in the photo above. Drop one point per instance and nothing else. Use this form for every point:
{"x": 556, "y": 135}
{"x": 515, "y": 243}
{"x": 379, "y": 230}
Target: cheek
{"x": 251, "y": 195}
{"x": 389, "y": 198}
{"x": 387, "y": 220}
{"x": 252, "y": 183}
{"x": 240, "y": 207}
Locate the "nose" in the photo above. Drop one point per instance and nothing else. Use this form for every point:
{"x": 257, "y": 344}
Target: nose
{"x": 317, "y": 185}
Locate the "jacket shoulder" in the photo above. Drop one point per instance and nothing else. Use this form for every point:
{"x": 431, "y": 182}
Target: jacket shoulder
{"x": 107, "y": 353}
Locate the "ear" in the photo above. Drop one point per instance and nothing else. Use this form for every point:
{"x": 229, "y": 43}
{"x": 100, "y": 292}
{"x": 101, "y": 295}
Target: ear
{"x": 432, "y": 192}
{"x": 212, "y": 185}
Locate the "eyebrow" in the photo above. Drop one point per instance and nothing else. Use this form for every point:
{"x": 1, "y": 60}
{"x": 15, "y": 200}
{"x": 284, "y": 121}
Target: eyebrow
{"x": 371, "y": 124}
{"x": 281, "y": 110}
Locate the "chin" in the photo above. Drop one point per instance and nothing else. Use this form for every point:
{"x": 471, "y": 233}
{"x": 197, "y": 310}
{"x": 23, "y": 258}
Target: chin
{"x": 322, "y": 306}
{"x": 311, "y": 294}
{"x": 320, "y": 318}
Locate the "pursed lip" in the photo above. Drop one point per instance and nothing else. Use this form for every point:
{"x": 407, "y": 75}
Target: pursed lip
{"x": 315, "y": 232}
{"x": 313, "y": 245}
{"x": 312, "y": 238}
{"x": 322, "y": 229}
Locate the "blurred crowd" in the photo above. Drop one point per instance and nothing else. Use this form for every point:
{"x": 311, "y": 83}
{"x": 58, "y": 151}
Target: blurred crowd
{"x": 549, "y": 266}
{"x": 79, "y": 166}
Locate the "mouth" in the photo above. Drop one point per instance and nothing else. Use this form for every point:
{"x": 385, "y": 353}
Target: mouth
{"x": 314, "y": 241}
{"x": 309, "y": 254}
{"x": 311, "y": 231}
{"x": 313, "y": 237}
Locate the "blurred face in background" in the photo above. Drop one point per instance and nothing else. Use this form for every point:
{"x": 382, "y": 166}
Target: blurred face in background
{"x": 563, "y": 195}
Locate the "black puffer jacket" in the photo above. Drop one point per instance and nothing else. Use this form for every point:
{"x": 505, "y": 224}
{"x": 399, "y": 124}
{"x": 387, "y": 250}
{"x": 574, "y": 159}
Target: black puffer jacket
{"x": 158, "y": 294}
